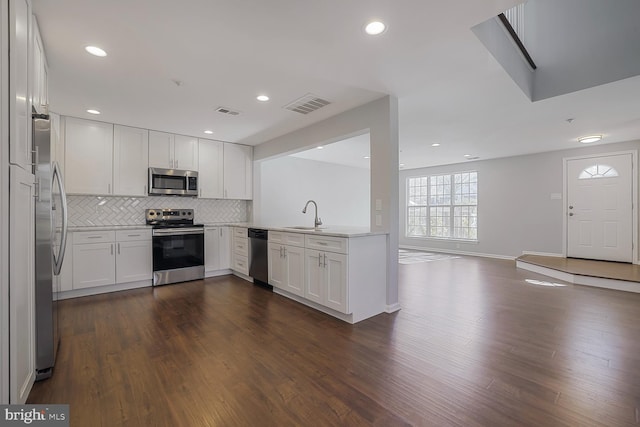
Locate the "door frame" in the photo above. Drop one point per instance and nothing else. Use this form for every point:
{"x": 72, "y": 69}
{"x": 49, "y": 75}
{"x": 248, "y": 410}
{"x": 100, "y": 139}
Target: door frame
{"x": 634, "y": 198}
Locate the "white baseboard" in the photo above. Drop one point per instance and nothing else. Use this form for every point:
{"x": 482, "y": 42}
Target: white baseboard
{"x": 392, "y": 308}
{"x": 549, "y": 254}
{"x": 76, "y": 293}
{"x": 217, "y": 273}
{"x": 455, "y": 252}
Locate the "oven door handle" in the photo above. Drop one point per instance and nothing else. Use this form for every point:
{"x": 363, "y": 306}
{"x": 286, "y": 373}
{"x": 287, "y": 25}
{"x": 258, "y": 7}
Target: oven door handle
{"x": 168, "y": 232}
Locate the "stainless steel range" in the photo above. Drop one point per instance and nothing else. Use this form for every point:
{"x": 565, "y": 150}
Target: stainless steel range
{"x": 178, "y": 246}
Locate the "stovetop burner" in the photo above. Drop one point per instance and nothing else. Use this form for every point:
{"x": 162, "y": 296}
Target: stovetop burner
{"x": 170, "y": 218}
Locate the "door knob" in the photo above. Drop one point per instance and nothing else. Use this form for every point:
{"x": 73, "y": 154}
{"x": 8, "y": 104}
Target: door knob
{"x": 570, "y": 213}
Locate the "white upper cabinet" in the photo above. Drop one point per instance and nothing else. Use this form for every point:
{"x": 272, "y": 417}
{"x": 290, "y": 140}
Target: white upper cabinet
{"x": 88, "y": 156}
{"x": 238, "y": 171}
{"x": 160, "y": 150}
{"x": 39, "y": 84}
{"x": 211, "y": 169}
{"x": 130, "y": 161}
{"x": 170, "y": 151}
{"x": 185, "y": 152}
{"x": 19, "y": 96}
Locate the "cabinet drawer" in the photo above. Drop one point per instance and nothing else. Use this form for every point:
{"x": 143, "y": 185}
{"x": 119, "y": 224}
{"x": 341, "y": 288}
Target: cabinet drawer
{"x": 240, "y": 232}
{"x": 327, "y": 243}
{"x": 133, "y": 235}
{"x": 81, "y": 237}
{"x": 276, "y": 236}
{"x": 294, "y": 239}
{"x": 240, "y": 264}
{"x": 241, "y": 246}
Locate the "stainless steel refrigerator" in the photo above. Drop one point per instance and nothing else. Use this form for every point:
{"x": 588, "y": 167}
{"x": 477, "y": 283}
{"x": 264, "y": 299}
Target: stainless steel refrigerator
{"x": 50, "y": 245}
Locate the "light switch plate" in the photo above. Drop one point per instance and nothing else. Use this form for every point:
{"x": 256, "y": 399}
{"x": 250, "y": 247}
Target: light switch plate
{"x": 378, "y": 204}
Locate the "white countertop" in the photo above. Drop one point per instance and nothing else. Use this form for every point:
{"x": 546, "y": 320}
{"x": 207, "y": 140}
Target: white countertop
{"x": 107, "y": 227}
{"x": 329, "y": 230}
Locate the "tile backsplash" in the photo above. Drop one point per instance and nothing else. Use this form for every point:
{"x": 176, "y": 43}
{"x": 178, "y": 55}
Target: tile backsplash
{"x": 106, "y": 210}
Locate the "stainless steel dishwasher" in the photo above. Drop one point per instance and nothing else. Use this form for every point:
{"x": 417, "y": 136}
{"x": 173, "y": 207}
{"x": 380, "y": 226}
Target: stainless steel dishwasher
{"x": 258, "y": 252}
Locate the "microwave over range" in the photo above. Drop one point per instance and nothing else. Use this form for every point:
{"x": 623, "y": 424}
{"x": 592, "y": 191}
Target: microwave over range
{"x": 173, "y": 182}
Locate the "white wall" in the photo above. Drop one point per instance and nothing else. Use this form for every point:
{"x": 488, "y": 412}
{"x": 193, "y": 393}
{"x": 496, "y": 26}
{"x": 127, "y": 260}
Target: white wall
{"x": 286, "y": 183}
{"x": 380, "y": 119}
{"x": 515, "y": 209}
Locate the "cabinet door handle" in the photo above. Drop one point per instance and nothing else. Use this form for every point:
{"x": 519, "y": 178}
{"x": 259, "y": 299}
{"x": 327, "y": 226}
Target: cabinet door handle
{"x": 112, "y": 249}
{"x": 108, "y": 188}
{"x": 94, "y": 237}
{"x": 118, "y": 248}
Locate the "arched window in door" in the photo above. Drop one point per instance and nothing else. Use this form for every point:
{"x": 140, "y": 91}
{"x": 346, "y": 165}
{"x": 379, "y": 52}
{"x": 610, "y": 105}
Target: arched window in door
{"x": 598, "y": 171}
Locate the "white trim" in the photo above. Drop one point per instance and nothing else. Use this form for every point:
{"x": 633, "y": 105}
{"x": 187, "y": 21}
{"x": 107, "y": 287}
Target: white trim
{"x": 4, "y": 204}
{"x": 451, "y": 251}
{"x": 578, "y": 279}
{"x": 242, "y": 276}
{"x": 216, "y": 273}
{"x": 104, "y": 289}
{"x": 392, "y": 308}
{"x": 549, "y": 254}
{"x": 634, "y": 195}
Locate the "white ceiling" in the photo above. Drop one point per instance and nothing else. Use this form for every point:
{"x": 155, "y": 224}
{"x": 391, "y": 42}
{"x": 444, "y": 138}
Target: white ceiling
{"x": 224, "y": 53}
{"x": 352, "y": 152}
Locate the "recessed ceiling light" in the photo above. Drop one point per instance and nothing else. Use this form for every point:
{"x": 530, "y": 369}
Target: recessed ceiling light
{"x": 374, "y": 28}
{"x": 589, "y": 139}
{"x": 435, "y": 144}
{"x": 208, "y": 132}
{"x": 467, "y": 155}
{"x": 262, "y": 98}
{"x": 366, "y": 157}
{"x": 93, "y": 111}
{"x": 320, "y": 147}
{"x": 96, "y": 51}
{"x": 401, "y": 165}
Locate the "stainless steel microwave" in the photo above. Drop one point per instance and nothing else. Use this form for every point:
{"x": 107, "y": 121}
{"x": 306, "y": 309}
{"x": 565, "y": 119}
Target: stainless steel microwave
{"x": 173, "y": 182}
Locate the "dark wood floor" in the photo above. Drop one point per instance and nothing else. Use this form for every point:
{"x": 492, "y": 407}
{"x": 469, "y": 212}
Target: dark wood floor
{"x": 474, "y": 345}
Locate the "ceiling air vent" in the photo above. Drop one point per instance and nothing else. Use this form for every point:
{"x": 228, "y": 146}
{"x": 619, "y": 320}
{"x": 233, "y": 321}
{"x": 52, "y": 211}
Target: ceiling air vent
{"x": 307, "y": 104}
{"x": 225, "y": 110}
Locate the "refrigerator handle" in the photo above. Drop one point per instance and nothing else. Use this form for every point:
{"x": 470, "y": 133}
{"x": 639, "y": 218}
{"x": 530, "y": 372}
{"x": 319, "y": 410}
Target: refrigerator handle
{"x": 57, "y": 261}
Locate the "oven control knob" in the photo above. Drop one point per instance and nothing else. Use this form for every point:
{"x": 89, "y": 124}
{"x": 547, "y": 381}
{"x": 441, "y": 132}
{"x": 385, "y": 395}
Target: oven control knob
{"x": 188, "y": 213}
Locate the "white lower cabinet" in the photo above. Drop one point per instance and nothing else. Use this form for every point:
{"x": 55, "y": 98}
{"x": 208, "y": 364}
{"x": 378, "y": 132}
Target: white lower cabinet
{"x": 240, "y": 250}
{"x": 94, "y": 264}
{"x": 133, "y": 256}
{"x": 217, "y": 249}
{"x": 326, "y": 279}
{"x": 105, "y": 258}
{"x": 342, "y": 276}
{"x": 286, "y": 268}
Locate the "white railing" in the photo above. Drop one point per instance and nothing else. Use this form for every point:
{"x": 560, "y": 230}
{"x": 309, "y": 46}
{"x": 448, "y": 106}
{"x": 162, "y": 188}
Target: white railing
{"x": 515, "y": 16}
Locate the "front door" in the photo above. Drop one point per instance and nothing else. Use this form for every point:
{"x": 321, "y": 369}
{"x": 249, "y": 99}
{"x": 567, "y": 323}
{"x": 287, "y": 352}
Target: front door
{"x": 599, "y": 208}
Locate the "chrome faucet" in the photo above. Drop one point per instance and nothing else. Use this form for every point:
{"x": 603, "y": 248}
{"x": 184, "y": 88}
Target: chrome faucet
{"x": 318, "y": 221}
